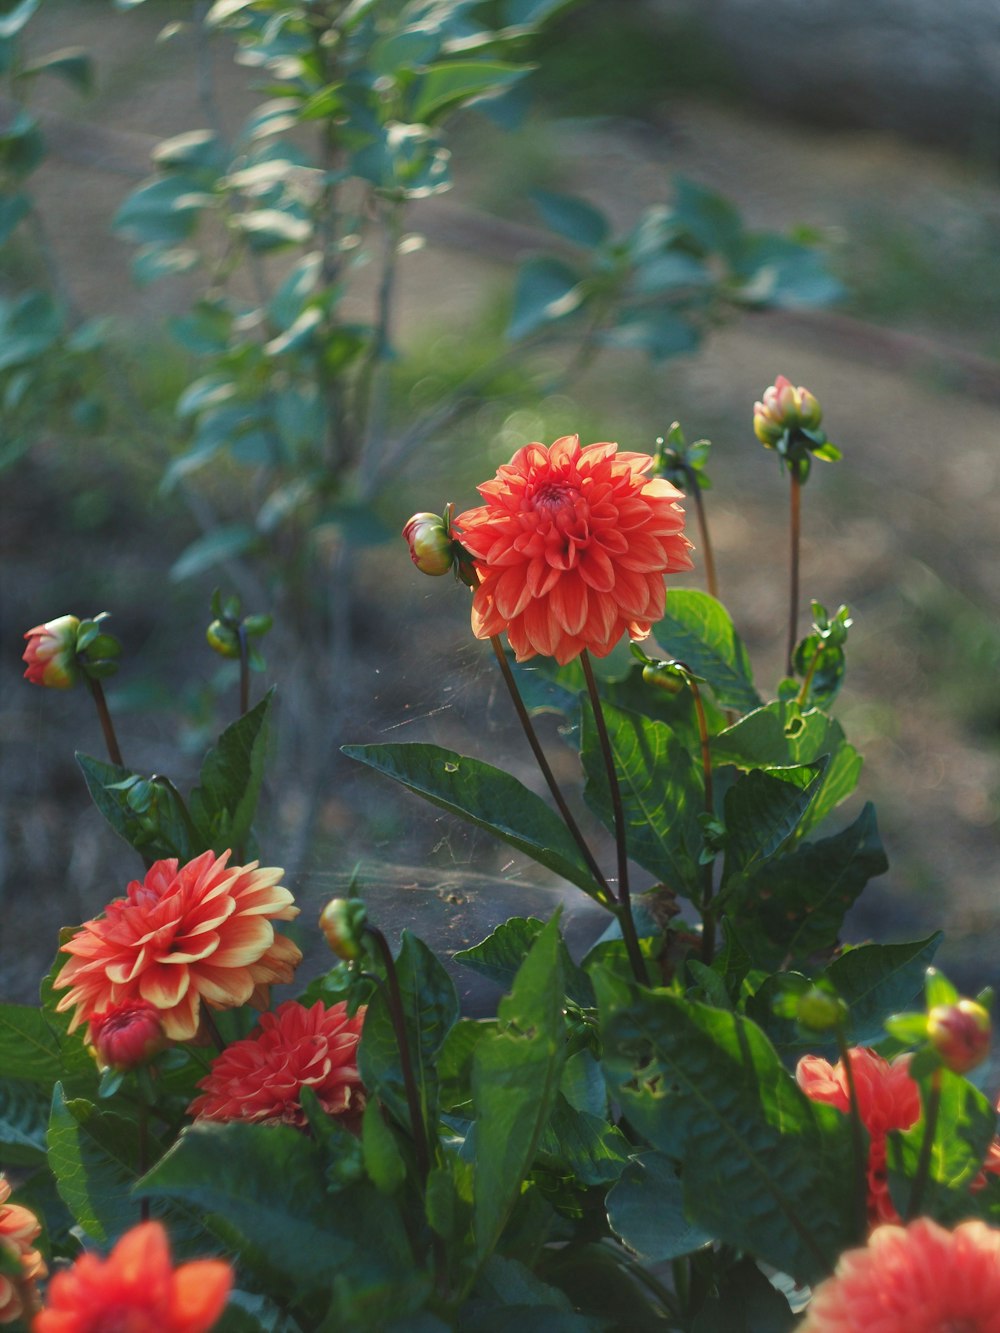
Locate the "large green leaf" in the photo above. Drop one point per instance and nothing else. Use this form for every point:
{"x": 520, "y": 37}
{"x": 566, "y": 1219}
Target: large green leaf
{"x": 698, "y": 631}
{"x": 431, "y": 1010}
{"x": 573, "y": 218}
{"x": 763, "y": 1167}
{"x": 662, "y": 791}
{"x": 160, "y": 830}
{"x": 515, "y": 1079}
{"x": 224, "y": 804}
{"x": 455, "y": 83}
{"x": 762, "y": 811}
{"x": 487, "y": 797}
{"x": 795, "y": 905}
{"x": 35, "y": 1048}
{"x": 587, "y": 1147}
{"x": 546, "y": 290}
{"x": 646, "y": 1210}
{"x": 24, "y": 1115}
{"x": 501, "y": 954}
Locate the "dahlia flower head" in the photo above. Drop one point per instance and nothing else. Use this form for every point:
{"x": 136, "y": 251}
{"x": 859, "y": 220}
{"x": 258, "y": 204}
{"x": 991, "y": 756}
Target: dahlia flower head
{"x": 184, "y": 935}
{"x": 50, "y": 653}
{"x": 888, "y": 1098}
{"x": 136, "y": 1289}
{"x": 261, "y": 1078}
{"x": 914, "y": 1279}
{"x": 19, "y": 1228}
{"x": 570, "y": 547}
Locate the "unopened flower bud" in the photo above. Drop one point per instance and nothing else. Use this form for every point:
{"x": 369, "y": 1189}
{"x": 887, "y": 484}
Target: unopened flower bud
{"x": 51, "y": 653}
{"x": 819, "y": 1011}
{"x": 665, "y": 676}
{"x": 783, "y": 408}
{"x": 223, "y": 639}
{"x": 342, "y": 922}
{"x": 430, "y": 543}
{"x": 127, "y": 1036}
{"x": 960, "y": 1034}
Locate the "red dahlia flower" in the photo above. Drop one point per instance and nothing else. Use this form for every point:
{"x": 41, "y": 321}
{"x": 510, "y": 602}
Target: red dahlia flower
{"x": 571, "y": 547}
{"x": 136, "y": 1290}
{"x": 199, "y": 932}
{"x": 18, "y": 1228}
{"x": 51, "y": 653}
{"x": 888, "y": 1098}
{"x": 915, "y": 1279}
{"x": 261, "y": 1078}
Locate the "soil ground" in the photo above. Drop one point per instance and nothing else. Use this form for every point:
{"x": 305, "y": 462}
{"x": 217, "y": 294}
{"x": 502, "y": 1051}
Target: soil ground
{"x": 906, "y": 530}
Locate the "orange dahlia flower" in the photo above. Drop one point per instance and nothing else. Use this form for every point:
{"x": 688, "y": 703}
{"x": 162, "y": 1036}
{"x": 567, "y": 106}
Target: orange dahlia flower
{"x": 914, "y": 1279}
{"x": 182, "y": 935}
{"x": 261, "y": 1078}
{"x": 51, "y": 653}
{"x": 136, "y": 1289}
{"x": 888, "y": 1098}
{"x": 571, "y": 547}
{"x": 18, "y": 1228}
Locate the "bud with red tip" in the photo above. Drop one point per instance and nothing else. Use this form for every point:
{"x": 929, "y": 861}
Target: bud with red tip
{"x": 960, "y": 1034}
{"x": 784, "y": 407}
{"x": 127, "y": 1036}
{"x": 429, "y": 538}
{"x": 51, "y": 653}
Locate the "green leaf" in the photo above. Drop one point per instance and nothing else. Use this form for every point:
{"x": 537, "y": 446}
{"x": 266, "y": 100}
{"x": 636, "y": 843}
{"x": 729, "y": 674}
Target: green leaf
{"x": 35, "y": 1048}
{"x": 215, "y": 547}
{"x": 584, "y": 1146}
{"x": 232, "y": 774}
{"x": 165, "y": 211}
{"x": 430, "y": 1008}
{"x": 267, "y": 1184}
{"x": 271, "y": 228}
{"x": 24, "y": 1115}
{"x": 782, "y": 273}
{"x": 93, "y": 1155}
{"x": 762, "y": 811}
{"x": 458, "y": 83}
{"x": 383, "y": 1159}
{"x": 658, "y": 333}
{"x": 573, "y": 218}
{"x": 13, "y": 210}
{"x": 515, "y": 1080}
{"x": 22, "y": 146}
{"x": 662, "y": 791}
{"x": 762, "y": 1165}
{"x": 161, "y": 830}
{"x": 14, "y": 19}
{"x": 707, "y": 218}
{"x": 156, "y": 261}
{"x": 487, "y": 797}
{"x": 72, "y": 64}
{"x": 501, "y": 954}
{"x": 698, "y": 631}
{"x": 192, "y": 150}
{"x": 646, "y": 1211}
{"x": 546, "y": 290}
{"x": 796, "y": 905}
{"x": 745, "y": 1302}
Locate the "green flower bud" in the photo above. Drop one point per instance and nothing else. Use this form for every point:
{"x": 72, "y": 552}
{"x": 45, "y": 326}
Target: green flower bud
{"x": 223, "y": 639}
{"x": 431, "y": 548}
{"x": 342, "y": 922}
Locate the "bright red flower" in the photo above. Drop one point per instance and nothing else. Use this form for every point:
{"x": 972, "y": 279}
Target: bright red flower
{"x": 571, "y": 547}
{"x": 914, "y": 1279}
{"x": 199, "y": 932}
{"x": 888, "y": 1098}
{"x": 18, "y": 1228}
{"x": 51, "y": 653}
{"x": 128, "y": 1035}
{"x": 136, "y": 1290}
{"x": 261, "y": 1078}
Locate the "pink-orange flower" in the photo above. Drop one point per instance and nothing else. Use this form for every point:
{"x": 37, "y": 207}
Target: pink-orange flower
{"x": 183, "y": 935}
{"x": 18, "y": 1228}
{"x": 51, "y": 653}
{"x": 888, "y": 1098}
{"x": 128, "y": 1035}
{"x": 136, "y": 1290}
{"x": 571, "y": 548}
{"x": 261, "y": 1078}
{"x": 915, "y": 1279}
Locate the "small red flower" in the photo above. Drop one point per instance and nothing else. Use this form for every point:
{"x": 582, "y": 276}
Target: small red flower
{"x": 960, "y": 1034}
{"x": 261, "y": 1078}
{"x": 136, "y": 1290}
{"x": 51, "y": 653}
{"x": 914, "y": 1279}
{"x": 128, "y": 1035}
{"x": 571, "y": 548}
{"x": 18, "y": 1228}
{"x": 183, "y": 935}
{"x": 888, "y": 1098}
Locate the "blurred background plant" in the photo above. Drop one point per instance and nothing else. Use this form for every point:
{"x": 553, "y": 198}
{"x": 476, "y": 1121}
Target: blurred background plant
{"x": 319, "y": 343}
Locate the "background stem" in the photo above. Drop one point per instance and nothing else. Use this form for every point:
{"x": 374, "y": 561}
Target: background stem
{"x": 931, "y": 1108}
{"x": 794, "y": 534}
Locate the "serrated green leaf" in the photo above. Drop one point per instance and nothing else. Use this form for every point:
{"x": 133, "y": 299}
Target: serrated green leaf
{"x": 646, "y": 1210}
{"x": 698, "y": 631}
{"x": 762, "y": 1165}
{"x": 35, "y": 1048}
{"x": 487, "y": 797}
{"x": 762, "y": 811}
{"x": 224, "y": 803}
{"x": 502, "y": 953}
{"x": 24, "y": 1116}
{"x": 662, "y": 791}
{"x": 171, "y": 835}
{"x": 582, "y": 1145}
{"x": 515, "y": 1080}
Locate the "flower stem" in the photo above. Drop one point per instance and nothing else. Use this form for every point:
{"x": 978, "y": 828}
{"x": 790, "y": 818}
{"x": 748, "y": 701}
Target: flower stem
{"x": 604, "y": 891}
{"x": 707, "y": 915}
{"x": 394, "y": 999}
{"x": 931, "y": 1109}
{"x": 107, "y": 726}
{"x": 244, "y": 670}
{"x": 706, "y": 544}
{"x": 857, "y": 1139}
{"x": 624, "y": 912}
{"x": 143, "y": 1125}
{"x": 804, "y": 692}
{"x": 795, "y": 527}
